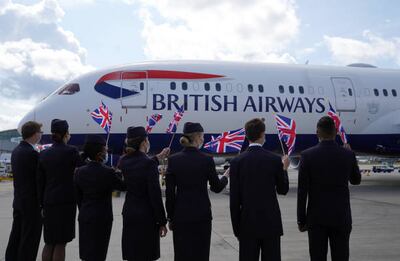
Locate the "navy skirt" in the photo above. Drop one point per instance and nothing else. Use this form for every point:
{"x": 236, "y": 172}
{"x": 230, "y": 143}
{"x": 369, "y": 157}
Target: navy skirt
{"x": 94, "y": 238}
{"x": 140, "y": 240}
{"x": 59, "y": 224}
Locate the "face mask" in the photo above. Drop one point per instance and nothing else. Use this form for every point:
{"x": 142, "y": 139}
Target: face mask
{"x": 200, "y": 146}
{"x": 105, "y": 159}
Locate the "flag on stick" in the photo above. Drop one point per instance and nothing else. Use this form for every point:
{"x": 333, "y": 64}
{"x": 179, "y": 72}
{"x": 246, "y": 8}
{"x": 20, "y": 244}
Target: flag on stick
{"x": 173, "y": 125}
{"x": 338, "y": 123}
{"x": 103, "y": 117}
{"x": 227, "y": 142}
{"x": 152, "y": 121}
{"x": 286, "y": 131}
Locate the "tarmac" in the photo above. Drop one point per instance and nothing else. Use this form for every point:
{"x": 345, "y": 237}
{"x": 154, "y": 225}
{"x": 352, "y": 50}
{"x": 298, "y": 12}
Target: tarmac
{"x": 375, "y": 235}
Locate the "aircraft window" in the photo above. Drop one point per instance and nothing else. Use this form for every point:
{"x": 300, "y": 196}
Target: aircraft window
{"x": 184, "y": 86}
{"x": 350, "y": 92}
{"x": 239, "y": 87}
{"x": 229, "y": 87}
{"x": 320, "y": 90}
{"x": 173, "y": 86}
{"x": 207, "y": 86}
{"x": 376, "y": 92}
{"x": 394, "y": 92}
{"x": 366, "y": 92}
{"x": 218, "y": 87}
{"x": 281, "y": 89}
{"x": 301, "y": 89}
{"x": 250, "y": 87}
{"x": 69, "y": 89}
{"x": 291, "y": 89}
{"x": 260, "y": 88}
{"x": 141, "y": 86}
{"x": 311, "y": 90}
{"x": 385, "y": 92}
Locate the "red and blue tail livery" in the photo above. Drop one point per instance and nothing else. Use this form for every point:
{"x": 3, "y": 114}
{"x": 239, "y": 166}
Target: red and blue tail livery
{"x": 110, "y": 84}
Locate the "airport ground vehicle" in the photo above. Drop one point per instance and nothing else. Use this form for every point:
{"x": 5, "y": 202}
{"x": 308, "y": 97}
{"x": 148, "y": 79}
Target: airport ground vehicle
{"x": 383, "y": 169}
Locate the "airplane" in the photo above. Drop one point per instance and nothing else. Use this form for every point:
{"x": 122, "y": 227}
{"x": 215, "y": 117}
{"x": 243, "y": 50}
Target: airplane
{"x": 222, "y": 96}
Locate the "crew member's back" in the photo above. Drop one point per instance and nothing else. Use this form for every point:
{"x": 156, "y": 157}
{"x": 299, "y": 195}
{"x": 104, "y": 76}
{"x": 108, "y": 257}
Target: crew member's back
{"x": 323, "y": 195}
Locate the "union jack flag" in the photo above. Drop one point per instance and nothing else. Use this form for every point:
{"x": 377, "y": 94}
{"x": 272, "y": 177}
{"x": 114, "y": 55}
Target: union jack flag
{"x": 42, "y": 147}
{"x": 152, "y": 121}
{"x": 338, "y": 123}
{"x": 227, "y": 142}
{"x": 103, "y": 117}
{"x": 174, "y": 123}
{"x": 286, "y": 131}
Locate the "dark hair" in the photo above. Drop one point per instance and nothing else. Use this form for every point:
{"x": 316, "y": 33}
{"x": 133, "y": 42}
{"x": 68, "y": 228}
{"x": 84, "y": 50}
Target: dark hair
{"x": 90, "y": 150}
{"x": 57, "y": 137}
{"x": 326, "y": 127}
{"x": 29, "y": 129}
{"x": 254, "y": 129}
{"x": 133, "y": 144}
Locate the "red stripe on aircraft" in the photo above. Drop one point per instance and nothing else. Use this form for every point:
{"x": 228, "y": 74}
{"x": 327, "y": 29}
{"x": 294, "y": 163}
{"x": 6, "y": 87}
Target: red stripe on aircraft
{"x": 157, "y": 74}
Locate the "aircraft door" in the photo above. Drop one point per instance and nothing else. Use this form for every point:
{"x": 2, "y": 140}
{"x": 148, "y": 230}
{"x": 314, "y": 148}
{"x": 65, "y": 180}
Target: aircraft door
{"x": 134, "y": 89}
{"x": 344, "y": 94}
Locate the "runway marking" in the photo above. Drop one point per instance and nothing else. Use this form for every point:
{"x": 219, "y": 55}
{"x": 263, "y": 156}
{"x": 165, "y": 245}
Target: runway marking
{"x": 377, "y": 202}
{"x": 223, "y": 239}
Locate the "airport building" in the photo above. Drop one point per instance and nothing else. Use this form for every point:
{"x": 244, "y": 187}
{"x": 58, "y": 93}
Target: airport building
{"x": 9, "y": 139}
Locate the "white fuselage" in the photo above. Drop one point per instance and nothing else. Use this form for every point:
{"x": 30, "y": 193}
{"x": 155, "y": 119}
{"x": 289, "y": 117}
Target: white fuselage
{"x": 224, "y": 95}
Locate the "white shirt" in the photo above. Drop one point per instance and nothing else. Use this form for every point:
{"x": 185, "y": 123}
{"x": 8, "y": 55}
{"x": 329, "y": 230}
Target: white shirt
{"x": 255, "y": 145}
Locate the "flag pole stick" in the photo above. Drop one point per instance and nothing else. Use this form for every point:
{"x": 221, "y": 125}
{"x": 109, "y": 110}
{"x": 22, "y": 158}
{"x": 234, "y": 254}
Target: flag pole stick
{"x": 108, "y": 135}
{"x": 170, "y": 143}
{"x": 280, "y": 141}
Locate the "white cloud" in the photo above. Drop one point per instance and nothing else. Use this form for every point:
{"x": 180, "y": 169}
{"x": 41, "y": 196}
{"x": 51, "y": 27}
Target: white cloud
{"x": 225, "y": 29}
{"x": 14, "y": 109}
{"x": 373, "y": 49}
{"x": 36, "y": 55}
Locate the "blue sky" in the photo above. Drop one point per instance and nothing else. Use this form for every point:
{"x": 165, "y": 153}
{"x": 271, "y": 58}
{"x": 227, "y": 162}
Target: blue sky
{"x": 43, "y": 43}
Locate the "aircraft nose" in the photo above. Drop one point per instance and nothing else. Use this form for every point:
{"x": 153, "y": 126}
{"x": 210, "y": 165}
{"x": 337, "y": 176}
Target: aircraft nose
{"x": 30, "y": 116}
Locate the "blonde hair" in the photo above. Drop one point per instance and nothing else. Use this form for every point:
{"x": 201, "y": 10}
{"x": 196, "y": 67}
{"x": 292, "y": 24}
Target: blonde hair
{"x": 187, "y": 139}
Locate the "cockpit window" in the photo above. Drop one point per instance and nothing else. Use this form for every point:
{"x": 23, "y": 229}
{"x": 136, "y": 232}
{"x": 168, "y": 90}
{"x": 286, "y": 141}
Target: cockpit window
{"x": 69, "y": 89}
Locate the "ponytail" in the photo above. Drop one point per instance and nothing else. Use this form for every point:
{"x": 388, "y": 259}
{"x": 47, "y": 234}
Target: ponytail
{"x": 133, "y": 144}
{"x": 187, "y": 139}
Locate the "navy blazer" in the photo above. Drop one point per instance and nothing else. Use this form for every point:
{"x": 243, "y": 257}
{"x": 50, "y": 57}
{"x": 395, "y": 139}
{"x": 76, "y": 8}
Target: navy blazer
{"x": 24, "y": 161}
{"x": 188, "y": 174}
{"x": 55, "y": 174}
{"x": 94, "y": 185}
{"x": 143, "y": 200}
{"x": 324, "y": 173}
{"x": 256, "y": 177}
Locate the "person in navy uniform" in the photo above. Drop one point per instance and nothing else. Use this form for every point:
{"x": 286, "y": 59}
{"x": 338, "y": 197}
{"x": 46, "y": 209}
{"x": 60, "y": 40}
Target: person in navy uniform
{"x": 27, "y": 225}
{"x": 143, "y": 213}
{"x": 56, "y": 192}
{"x": 256, "y": 177}
{"x": 187, "y": 201}
{"x": 323, "y": 203}
{"x": 94, "y": 184}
